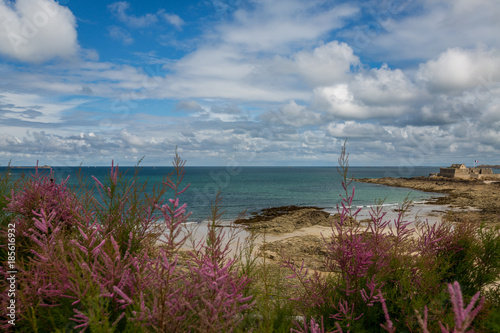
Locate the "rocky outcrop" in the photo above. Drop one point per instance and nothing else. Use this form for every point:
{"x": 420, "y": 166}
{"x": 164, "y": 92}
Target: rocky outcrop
{"x": 461, "y": 193}
{"x": 286, "y": 219}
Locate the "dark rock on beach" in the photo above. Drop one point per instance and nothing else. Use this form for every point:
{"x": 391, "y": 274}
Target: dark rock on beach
{"x": 286, "y": 219}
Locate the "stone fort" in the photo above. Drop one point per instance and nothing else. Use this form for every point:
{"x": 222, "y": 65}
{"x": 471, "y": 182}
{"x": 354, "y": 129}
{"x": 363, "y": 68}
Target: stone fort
{"x": 462, "y": 172}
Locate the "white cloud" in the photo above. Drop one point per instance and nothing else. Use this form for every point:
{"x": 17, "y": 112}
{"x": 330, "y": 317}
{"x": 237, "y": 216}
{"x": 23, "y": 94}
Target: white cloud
{"x": 352, "y": 129}
{"x": 426, "y": 28}
{"x": 377, "y": 93}
{"x": 37, "y": 30}
{"x": 172, "y": 19}
{"x": 122, "y": 83}
{"x": 34, "y": 108}
{"x": 458, "y": 69}
{"x": 274, "y": 25}
{"x": 326, "y": 64}
{"x": 384, "y": 86}
{"x": 292, "y": 114}
{"x": 119, "y": 9}
{"x": 132, "y": 139}
{"x": 340, "y": 101}
{"x": 225, "y": 71}
{"x": 120, "y": 34}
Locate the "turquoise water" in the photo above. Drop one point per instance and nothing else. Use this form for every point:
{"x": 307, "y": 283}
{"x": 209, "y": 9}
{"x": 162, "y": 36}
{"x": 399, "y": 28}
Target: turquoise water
{"x": 255, "y": 188}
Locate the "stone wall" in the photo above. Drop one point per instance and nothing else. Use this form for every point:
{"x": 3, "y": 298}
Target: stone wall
{"x": 447, "y": 172}
{"x": 468, "y": 173}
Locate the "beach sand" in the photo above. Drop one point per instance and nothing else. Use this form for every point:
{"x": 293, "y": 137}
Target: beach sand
{"x": 416, "y": 213}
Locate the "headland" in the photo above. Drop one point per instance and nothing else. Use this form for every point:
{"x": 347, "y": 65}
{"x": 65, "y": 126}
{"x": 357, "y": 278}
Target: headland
{"x": 480, "y": 195}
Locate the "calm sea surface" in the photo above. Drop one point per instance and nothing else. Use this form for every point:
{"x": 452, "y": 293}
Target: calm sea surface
{"x": 255, "y": 188}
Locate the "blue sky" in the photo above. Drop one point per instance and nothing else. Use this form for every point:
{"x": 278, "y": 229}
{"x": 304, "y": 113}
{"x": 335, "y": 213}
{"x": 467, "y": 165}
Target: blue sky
{"x": 282, "y": 82}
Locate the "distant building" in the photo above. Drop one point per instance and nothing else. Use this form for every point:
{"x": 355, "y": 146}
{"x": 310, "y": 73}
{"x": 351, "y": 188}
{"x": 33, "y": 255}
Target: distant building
{"x": 462, "y": 172}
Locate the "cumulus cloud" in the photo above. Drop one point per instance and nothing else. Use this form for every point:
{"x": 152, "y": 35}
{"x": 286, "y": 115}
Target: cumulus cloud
{"x": 37, "y": 30}
{"x": 458, "y": 69}
{"x": 326, "y": 64}
{"x": 341, "y": 102}
{"x": 292, "y": 114}
{"x": 352, "y": 129}
{"x": 384, "y": 86}
{"x": 188, "y": 106}
{"x": 227, "y": 71}
{"x": 132, "y": 139}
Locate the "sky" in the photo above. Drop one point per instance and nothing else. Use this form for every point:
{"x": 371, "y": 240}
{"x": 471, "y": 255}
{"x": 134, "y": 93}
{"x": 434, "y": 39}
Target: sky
{"x": 259, "y": 82}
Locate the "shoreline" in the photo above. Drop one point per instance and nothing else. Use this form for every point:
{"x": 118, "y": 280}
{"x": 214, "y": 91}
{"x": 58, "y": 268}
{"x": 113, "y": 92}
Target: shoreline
{"x": 482, "y": 197}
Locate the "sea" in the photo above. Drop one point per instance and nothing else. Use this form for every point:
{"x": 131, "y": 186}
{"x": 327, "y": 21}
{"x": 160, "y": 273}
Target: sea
{"x": 251, "y": 189}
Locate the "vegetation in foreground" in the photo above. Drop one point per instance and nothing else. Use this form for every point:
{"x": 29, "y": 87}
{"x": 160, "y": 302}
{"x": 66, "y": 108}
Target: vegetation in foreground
{"x": 92, "y": 264}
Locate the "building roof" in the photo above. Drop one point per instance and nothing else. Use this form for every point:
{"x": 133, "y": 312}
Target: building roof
{"x": 458, "y": 166}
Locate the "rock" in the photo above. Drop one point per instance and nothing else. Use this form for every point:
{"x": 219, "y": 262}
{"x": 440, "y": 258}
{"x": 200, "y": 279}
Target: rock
{"x": 285, "y": 219}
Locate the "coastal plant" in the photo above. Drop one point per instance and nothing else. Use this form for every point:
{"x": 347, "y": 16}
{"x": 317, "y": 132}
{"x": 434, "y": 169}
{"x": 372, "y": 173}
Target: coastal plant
{"x": 275, "y": 310}
{"x": 193, "y": 290}
{"x": 69, "y": 248}
{"x": 126, "y": 206}
{"x": 219, "y": 289}
{"x": 36, "y": 193}
{"x": 463, "y": 316}
{"x": 346, "y": 180}
{"x": 76, "y": 283}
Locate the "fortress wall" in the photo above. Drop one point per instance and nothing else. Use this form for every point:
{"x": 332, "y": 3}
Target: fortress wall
{"x": 447, "y": 172}
{"x": 468, "y": 173}
{"x": 486, "y": 171}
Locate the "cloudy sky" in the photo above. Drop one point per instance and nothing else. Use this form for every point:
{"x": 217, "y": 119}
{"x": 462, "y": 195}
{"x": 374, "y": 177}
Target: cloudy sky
{"x": 250, "y": 82}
